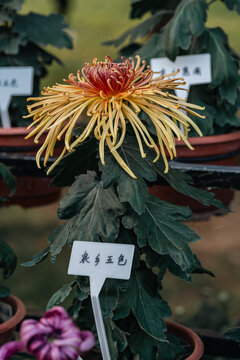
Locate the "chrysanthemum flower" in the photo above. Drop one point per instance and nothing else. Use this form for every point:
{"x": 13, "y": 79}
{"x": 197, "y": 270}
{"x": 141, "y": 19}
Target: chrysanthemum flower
{"x": 54, "y": 336}
{"x": 112, "y": 95}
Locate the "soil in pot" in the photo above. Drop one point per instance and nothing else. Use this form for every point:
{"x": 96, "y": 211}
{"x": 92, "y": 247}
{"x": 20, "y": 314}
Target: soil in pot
{"x": 7, "y": 327}
{"x": 31, "y": 191}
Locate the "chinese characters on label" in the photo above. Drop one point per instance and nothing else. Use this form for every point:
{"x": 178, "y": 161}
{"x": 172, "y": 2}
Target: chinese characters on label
{"x": 185, "y": 71}
{"x": 109, "y": 259}
{"x": 101, "y": 260}
{"x": 14, "y": 81}
{"x": 8, "y": 83}
{"x": 195, "y": 69}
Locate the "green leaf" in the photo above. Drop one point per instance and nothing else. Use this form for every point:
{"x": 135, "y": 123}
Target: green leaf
{"x": 77, "y": 162}
{"x": 129, "y": 151}
{"x": 97, "y": 210}
{"x": 87, "y": 190}
{"x": 160, "y": 225}
{"x": 12, "y": 4}
{"x": 130, "y": 190}
{"x": 183, "y": 183}
{"x": 153, "y": 48}
{"x": 140, "y": 30}
{"x": 165, "y": 262}
{"x": 142, "y": 344}
{"x": 224, "y": 65}
{"x": 9, "y": 42}
{"x": 43, "y": 29}
{"x": 188, "y": 21}
{"x": 200, "y": 94}
{"x": 8, "y": 178}
{"x": 116, "y": 338}
{"x": 142, "y": 291}
{"x": 171, "y": 349}
{"x": 4, "y": 291}
{"x": 59, "y": 296}
{"x": 140, "y": 7}
{"x": 233, "y": 5}
{"x": 37, "y": 258}
{"x": 59, "y": 239}
{"x": 149, "y": 317}
{"x": 108, "y": 297}
{"x": 8, "y": 259}
{"x": 133, "y": 191}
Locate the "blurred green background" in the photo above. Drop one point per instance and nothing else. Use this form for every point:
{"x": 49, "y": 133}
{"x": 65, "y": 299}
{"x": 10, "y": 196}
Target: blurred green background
{"x": 93, "y": 22}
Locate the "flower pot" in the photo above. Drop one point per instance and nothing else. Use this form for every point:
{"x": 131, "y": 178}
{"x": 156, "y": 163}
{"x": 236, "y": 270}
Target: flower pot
{"x": 31, "y": 191}
{"x": 215, "y": 150}
{"x": 186, "y": 335}
{"x": 7, "y": 327}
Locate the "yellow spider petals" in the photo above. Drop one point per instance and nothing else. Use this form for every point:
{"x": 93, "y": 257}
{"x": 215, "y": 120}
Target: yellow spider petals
{"x": 112, "y": 95}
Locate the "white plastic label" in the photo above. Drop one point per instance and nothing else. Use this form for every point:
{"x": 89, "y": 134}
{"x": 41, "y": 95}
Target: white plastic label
{"x": 13, "y": 81}
{"x": 195, "y": 69}
{"x": 100, "y": 261}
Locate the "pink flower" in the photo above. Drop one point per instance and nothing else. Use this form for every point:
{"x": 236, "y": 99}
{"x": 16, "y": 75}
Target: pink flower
{"x": 55, "y": 336}
{"x": 7, "y": 350}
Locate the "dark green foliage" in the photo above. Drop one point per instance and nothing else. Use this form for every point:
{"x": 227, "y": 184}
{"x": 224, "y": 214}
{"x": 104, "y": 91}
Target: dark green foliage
{"x": 188, "y": 21}
{"x": 179, "y": 28}
{"x": 8, "y": 259}
{"x": 159, "y": 227}
{"x": 233, "y": 5}
{"x": 95, "y": 207}
{"x": 37, "y": 258}
{"x": 183, "y": 183}
{"x": 108, "y": 205}
{"x": 43, "y": 30}
{"x": 9, "y": 179}
{"x": 140, "y": 30}
{"x": 4, "y": 291}
{"x": 60, "y": 295}
{"x": 76, "y": 163}
{"x": 21, "y": 41}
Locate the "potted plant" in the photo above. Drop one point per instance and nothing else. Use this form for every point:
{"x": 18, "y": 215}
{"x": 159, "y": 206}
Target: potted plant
{"x": 23, "y": 45}
{"x": 108, "y": 160}
{"x": 179, "y": 28}
{"x": 12, "y": 309}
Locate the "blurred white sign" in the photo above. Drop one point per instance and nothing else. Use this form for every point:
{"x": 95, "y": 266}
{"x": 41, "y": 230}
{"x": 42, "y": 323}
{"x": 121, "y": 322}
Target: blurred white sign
{"x": 195, "y": 69}
{"x": 13, "y": 81}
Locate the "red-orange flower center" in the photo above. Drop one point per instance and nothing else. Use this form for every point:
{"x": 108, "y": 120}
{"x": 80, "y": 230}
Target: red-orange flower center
{"x": 109, "y": 79}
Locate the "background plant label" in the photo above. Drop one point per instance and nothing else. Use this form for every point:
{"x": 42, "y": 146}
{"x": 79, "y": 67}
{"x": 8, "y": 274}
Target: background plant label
{"x": 100, "y": 261}
{"x": 195, "y": 69}
{"x": 13, "y": 81}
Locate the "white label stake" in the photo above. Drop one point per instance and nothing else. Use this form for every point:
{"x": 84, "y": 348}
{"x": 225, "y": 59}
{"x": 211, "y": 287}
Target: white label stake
{"x": 195, "y": 69}
{"x": 100, "y": 261}
{"x": 13, "y": 81}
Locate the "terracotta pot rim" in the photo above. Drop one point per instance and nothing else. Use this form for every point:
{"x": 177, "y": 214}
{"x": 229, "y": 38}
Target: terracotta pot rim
{"x": 212, "y": 139}
{"x": 189, "y": 336}
{"x": 183, "y": 333}
{"x": 17, "y": 316}
{"x": 14, "y": 131}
